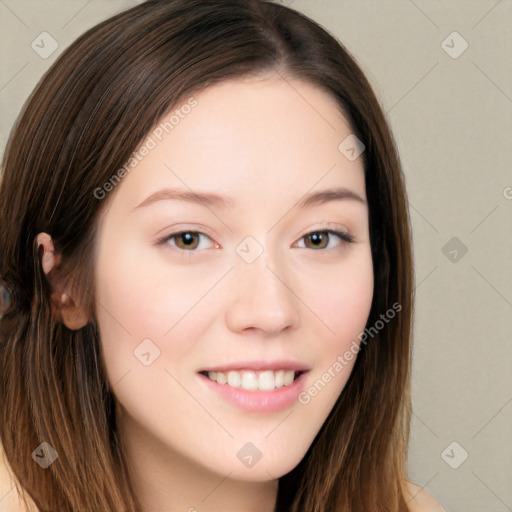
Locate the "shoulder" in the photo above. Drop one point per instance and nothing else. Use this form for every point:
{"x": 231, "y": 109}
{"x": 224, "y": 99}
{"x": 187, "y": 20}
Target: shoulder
{"x": 10, "y": 499}
{"x": 419, "y": 500}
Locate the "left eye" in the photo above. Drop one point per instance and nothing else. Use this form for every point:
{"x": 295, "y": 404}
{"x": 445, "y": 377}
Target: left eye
{"x": 190, "y": 240}
{"x": 317, "y": 238}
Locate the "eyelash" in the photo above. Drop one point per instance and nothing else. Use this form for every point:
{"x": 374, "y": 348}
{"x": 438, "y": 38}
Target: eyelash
{"x": 344, "y": 236}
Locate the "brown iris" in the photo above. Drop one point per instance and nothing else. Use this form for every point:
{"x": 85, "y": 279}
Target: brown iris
{"x": 187, "y": 237}
{"x": 317, "y": 238}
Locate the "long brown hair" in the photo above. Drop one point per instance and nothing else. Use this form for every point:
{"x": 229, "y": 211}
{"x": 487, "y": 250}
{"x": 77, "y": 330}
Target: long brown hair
{"x": 82, "y": 122}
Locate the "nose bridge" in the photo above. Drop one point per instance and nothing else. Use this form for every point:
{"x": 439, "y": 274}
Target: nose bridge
{"x": 262, "y": 297}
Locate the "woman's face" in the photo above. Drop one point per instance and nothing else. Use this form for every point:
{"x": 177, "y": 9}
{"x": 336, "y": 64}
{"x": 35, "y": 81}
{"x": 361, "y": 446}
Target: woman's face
{"x": 262, "y": 287}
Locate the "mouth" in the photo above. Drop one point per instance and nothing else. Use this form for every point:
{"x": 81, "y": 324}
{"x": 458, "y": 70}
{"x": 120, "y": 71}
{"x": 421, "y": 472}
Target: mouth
{"x": 254, "y": 380}
{"x": 257, "y": 390}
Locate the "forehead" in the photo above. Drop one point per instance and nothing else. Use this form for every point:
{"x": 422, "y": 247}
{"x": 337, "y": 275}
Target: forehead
{"x": 252, "y": 139}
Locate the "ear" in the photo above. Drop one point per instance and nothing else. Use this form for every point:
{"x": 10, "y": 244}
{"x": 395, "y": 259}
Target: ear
{"x": 65, "y": 307}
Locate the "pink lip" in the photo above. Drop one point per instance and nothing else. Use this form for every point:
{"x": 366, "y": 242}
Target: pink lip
{"x": 259, "y": 401}
{"x": 259, "y": 365}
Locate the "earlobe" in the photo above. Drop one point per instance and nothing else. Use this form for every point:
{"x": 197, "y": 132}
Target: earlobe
{"x": 73, "y": 316}
{"x": 64, "y": 307}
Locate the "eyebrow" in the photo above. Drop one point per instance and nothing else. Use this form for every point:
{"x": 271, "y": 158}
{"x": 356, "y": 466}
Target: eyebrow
{"x": 210, "y": 199}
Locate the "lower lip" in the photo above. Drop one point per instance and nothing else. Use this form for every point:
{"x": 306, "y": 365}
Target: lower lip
{"x": 259, "y": 401}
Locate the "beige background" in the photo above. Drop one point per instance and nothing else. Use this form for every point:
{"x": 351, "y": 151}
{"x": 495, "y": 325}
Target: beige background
{"x": 452, "y": 118}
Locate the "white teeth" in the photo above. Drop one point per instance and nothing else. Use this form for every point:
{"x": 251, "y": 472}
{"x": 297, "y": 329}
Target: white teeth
{"x": 288, "y": 378}
{"x": 279, "y": 379}
{"x": 266, "y": 380}
{"x": 234, "y": 379}
{"x": 248, "y": 381}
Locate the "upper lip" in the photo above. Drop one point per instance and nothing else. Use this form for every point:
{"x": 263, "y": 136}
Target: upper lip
{"x": 258, "y": 365}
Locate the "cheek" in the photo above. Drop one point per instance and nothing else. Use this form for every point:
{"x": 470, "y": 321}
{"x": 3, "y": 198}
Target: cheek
{"x": 341, "y": 299}
{"x": 128, "y": 312}
{"x": 139, "y": 299}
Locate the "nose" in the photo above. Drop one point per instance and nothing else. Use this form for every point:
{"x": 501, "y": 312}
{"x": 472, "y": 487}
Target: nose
{"x": 263, "y": 298}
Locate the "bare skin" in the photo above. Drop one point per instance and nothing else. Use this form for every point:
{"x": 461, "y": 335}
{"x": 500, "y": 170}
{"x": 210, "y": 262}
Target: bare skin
{"x": 265, "y": 144}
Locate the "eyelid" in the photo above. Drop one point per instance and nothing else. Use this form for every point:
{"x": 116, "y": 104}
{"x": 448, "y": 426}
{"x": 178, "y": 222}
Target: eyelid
{"x": 178, "y": 229}
{"x": 327, "y": 226}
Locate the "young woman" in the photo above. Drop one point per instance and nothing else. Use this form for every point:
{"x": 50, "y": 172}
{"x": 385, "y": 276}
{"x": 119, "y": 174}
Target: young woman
{"x": 206, "y": 259}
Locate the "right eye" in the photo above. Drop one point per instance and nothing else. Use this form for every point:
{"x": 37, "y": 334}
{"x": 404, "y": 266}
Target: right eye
{"x": 185, "y": 240}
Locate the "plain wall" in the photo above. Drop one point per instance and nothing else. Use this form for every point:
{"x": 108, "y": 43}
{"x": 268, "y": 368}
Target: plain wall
{"x": 452, "y": 119}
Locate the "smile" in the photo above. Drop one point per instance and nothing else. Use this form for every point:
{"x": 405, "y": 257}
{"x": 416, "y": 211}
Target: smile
{"x": 265, "y": 380}
{"x": 263, "y": 391}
